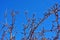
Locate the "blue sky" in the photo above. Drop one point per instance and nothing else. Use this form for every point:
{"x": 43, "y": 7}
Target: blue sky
{"x": 32, "y": 6}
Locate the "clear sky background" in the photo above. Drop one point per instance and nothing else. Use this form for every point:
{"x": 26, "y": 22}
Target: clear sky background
{"x": 32, "y": 6}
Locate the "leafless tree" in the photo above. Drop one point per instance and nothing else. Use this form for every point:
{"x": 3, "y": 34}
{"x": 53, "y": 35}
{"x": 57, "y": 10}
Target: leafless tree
{"x": 32, "y": 25}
